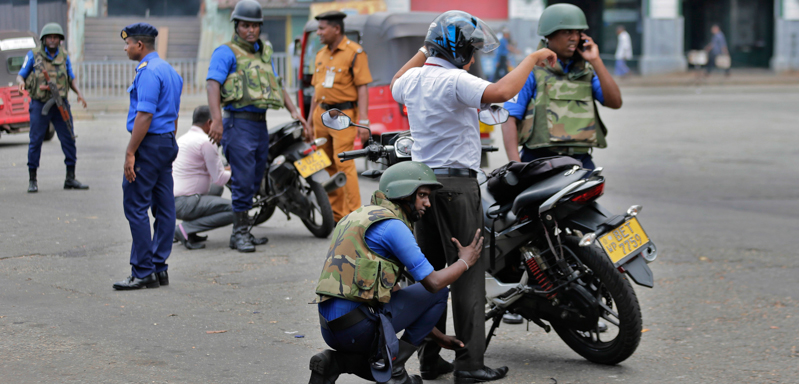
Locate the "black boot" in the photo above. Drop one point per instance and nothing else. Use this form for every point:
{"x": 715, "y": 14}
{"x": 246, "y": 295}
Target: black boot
{"x": 71, "y": 182}
{"x": 398, "y": 373}
{"x": 240, "y": 238}
{"x": 33, "y": 187}
{"x": 326, "y": 366}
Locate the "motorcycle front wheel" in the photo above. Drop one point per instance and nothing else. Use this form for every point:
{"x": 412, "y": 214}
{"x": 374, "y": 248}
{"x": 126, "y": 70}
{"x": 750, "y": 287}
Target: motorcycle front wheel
{"x": 619, "y": 310}
{"x": 320, "y": 222}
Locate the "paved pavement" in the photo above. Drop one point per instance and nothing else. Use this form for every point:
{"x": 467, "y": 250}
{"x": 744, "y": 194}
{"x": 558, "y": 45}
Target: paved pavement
{"x": 714, "y": 171}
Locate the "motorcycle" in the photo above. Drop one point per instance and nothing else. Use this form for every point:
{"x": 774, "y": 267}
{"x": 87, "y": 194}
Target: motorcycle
{"x": 296, "y": 181}
{"x": 556, "y": 257}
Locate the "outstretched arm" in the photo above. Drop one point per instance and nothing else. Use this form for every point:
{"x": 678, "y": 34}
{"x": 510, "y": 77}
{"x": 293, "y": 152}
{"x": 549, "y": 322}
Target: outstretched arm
{"x": 507, "y": 87}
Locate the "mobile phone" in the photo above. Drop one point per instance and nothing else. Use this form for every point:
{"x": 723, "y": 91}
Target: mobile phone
{"x": 581, "y": 45}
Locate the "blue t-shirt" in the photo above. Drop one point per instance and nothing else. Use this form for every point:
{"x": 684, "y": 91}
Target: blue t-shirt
{"x": 391, "y": 239}
{"x": 27, "y": 65}
{"x": 223, "y": 63}
{"x": 156, "y": 89}
{"x": 502, "y": 50}
{"x": 517, "y": 106}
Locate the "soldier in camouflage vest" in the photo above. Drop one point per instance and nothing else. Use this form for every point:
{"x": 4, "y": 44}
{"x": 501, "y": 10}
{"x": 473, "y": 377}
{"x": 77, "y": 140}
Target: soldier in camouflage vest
{"x": 555, "y": 113}
{"x": 51, "y": 57}
{"x": 359, "y": 299}
{"x": 243, "y": 81}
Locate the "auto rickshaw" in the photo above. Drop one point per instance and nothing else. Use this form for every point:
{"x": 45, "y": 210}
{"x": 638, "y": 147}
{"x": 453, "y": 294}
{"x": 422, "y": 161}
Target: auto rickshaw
{"x": 390, "y": 40}
{"x": 14, "y": 116}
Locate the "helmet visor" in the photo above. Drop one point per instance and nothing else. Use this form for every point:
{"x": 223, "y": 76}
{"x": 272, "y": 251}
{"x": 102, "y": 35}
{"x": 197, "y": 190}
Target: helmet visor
{"x": 452, "y": 24}
{"x": 483, "y": 37}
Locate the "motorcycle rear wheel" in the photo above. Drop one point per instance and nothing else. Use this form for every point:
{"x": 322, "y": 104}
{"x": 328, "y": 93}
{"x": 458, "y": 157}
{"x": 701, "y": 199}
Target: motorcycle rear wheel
{"x": 321, "y": 221}
{"x": 619, "y": 298}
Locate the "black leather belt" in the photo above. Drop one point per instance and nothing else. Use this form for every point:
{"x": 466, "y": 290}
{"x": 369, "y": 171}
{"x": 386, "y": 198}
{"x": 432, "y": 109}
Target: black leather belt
{"x": 455, "y": 172}
{"x": 170, "y": 134}
{"x": 252, "y": 116}
{"x": 351, "y": 318}
{"x": 340, "y": 106}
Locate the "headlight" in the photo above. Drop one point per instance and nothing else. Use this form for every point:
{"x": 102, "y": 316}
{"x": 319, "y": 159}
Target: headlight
{"x": 403, "y": 147}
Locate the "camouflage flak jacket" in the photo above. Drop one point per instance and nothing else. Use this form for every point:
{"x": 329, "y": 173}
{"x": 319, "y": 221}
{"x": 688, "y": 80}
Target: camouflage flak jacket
{"x": 563, "y": 113}
{"x": 253, "y": 83}
{"x": 56, "y": 69}
{"x": 352, "y": 271}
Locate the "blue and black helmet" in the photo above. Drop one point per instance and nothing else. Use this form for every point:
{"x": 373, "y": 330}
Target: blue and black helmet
{"x": 455, "y": 35}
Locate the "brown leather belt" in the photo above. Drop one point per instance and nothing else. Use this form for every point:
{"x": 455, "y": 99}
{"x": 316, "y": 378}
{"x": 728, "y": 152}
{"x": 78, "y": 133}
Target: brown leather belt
{"x": 341, "y": 106}
{"x": 455, "y": 172}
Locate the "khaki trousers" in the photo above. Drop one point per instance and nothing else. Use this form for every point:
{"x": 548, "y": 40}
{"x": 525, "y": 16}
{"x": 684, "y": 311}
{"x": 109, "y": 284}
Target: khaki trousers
{"x": 348, "y": 198}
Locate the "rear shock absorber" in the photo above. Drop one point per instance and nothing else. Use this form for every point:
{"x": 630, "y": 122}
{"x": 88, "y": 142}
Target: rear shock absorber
{"x": 537, "y": 266}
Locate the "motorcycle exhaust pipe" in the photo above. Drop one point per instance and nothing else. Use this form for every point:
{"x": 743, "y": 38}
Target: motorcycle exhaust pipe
{"x": 335, "y": 182}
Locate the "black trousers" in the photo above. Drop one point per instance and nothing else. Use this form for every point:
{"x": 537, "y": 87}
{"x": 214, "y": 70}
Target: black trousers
{"x": 456, "y": 212}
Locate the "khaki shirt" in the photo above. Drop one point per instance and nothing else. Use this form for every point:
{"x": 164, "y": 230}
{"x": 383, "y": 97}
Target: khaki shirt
{"x": 339, "y": 62}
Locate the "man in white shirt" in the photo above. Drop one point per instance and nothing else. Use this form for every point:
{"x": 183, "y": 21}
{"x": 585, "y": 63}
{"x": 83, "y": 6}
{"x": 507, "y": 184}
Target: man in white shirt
{"x": 196, "y": 170}
{"x": 442, "y": 100}
{"x": 624, "y": 51}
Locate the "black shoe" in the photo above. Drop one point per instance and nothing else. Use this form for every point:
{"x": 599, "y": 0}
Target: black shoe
{"x": 195, "y": 238}
{"x": 70, "y": 182}
{"x": 400, "y": 376}
{"x": 131, "y": 282}
{"x": 33, "y": 187}
{"x": 258, "y": 240}
{"x": 440, "y": 367}
{"x": 163, "y": 278}
{"x": 241, "y": 238}
{"x": 180, "y": 234}
{"x": 512, "y": 318}
{"x": 324, "y": 369}
{"x": 480, "y": 375}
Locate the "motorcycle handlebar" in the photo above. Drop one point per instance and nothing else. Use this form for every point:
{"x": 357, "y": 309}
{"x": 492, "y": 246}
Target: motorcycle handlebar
{"x": 349, "y": 155}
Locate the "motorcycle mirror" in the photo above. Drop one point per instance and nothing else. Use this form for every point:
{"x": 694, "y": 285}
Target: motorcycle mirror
{"x": 494, "y": 115}
{"x": 335, "y": 119}
{"x": 372, "y": 173}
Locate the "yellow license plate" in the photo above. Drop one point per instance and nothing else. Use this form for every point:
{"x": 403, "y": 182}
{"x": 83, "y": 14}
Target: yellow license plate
{"x": 624, "y": 240}
{"x": 312, "y": 163}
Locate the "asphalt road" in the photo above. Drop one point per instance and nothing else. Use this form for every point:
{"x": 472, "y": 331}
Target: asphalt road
{"x": 714, "y": 169}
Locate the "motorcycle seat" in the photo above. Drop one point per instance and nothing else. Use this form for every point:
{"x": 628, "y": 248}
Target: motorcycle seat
{"x": 544, "y": 189}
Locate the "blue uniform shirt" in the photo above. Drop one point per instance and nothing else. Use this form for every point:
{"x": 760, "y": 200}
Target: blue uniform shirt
{"x": 156, "y": 89}
{"x": 392, "y": 239}
{"x": 517, "y": 106}
{"x": 223, "y": 63}
{"x": 503, "y": 50}
{"x": 27, "y": 65}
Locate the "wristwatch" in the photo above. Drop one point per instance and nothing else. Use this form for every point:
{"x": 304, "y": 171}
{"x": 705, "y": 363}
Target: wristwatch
{"x": 363, "y": 122}
{"x": 425, "y": 51}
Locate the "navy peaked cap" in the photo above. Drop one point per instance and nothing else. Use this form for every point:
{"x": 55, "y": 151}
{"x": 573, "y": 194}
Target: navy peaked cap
{"x": 138, "y": 29}
{"x": 331, "y": 15}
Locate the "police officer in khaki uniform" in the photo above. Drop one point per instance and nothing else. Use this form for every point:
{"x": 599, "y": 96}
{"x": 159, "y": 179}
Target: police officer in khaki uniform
{"x": 340, "y": 78}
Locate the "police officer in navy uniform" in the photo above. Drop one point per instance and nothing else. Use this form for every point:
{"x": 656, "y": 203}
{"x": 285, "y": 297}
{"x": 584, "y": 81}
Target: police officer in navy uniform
{"x": 242, "y": 79}
{"x": 55, "y": 59}
{"x": 152, "y": 122}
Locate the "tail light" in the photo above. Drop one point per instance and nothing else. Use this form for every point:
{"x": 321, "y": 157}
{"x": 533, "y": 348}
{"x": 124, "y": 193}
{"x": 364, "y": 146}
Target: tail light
{"x": 589, "y": 194}
{"x": 403, "y": 110}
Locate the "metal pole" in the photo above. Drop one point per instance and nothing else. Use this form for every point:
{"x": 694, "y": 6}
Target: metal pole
{"x": 34, "y": 11}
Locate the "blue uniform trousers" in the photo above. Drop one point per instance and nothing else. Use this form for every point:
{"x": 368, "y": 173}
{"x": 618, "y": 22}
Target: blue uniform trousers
{"x": 246, "y": 146}
{"x": 527, "y": 155}
{"x": 153, "y": 188}
{"x": 413, "y": 309}
{"x": 39, "y": 126}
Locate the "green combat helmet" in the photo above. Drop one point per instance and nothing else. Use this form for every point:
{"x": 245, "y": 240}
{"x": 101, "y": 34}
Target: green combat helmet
{"x": 403, "y": 179}
{"x": 51, "y": 29}
{"x": 561, "y": 16}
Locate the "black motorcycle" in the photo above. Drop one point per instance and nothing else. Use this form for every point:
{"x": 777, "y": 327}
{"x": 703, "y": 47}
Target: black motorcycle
{"x": 556, "y": 257}
{"x": 296, "y": 181}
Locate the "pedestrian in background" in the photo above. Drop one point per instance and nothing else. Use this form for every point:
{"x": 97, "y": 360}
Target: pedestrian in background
{"x": 199, "y": 179}
{"x": 152, "y": 122}
{"x": 717, "y": 47}
{"x": 340, "y": 79}
{"x": 242, "y": 80}
{"x": 624, "y": 51}
{"x": 55, "y": 60}
{"x": 503, "y": 51}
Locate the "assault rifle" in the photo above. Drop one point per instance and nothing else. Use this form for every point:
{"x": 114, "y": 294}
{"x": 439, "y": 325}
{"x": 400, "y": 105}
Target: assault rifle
{"x": 55, "y": 98}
